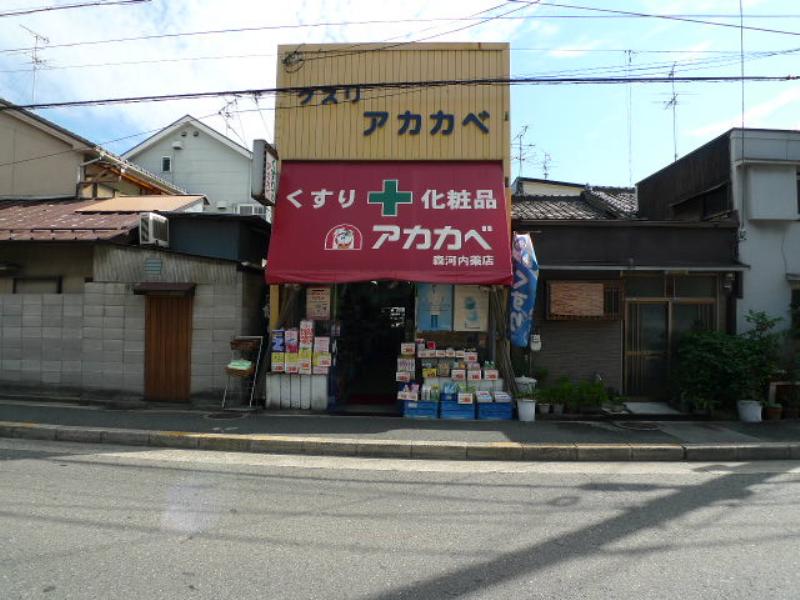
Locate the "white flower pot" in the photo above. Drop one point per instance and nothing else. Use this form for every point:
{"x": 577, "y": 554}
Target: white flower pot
{"x": 526, "y": 409}
{"x": 749, "y": 411}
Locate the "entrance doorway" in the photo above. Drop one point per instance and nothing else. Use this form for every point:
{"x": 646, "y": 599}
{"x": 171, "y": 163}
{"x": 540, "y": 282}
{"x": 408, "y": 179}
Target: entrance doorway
{"x": 375, "y": 317}
{"x": 168, "y": 348}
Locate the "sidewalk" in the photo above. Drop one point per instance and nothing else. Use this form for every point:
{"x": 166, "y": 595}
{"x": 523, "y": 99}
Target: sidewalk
{"x": 397, "y": 437}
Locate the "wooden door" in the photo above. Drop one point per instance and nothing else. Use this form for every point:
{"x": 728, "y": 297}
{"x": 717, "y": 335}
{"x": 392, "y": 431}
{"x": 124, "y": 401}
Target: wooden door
{"x": 168, "y": 348}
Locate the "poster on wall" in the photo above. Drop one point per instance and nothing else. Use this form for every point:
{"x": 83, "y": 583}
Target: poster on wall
{"x": 434, "y": 307}
{"x": 318, "y": 303}
{"x": 470, "y": 308}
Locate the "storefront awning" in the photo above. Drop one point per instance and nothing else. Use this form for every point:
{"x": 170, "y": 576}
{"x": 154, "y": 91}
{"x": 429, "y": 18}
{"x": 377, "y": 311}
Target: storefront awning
{"x": 437, "y": 222}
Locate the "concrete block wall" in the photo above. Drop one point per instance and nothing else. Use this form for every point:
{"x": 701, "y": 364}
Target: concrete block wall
{"x": 40, "y": 341}
{"x": 113, "y": 339}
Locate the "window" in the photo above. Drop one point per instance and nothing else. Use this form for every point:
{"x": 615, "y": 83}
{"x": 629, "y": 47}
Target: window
{"x": 695, "y": 286}
{"x": 644, "y": 286}
{"x": 37, "y": 285}
{"x": 166, "y": 164}
{"x": 581, "y": 300}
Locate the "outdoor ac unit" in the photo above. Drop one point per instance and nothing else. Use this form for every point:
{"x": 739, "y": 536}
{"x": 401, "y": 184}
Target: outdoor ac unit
{"x": 153, "y": 230}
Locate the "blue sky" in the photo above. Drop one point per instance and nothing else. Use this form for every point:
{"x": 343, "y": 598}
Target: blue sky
{"x": 609, "y": 135}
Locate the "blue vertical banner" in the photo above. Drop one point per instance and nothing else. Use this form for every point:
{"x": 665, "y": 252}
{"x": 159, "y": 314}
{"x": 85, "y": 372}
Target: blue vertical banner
{"x": 523, "y": 290}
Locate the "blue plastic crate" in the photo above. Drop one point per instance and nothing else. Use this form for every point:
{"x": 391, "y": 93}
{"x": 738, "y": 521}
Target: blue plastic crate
{"x": 448, "y": 397}
{"x": 420, "y": 410}
{"x": 456, "y": 411}
{"x": 495, "y": 411}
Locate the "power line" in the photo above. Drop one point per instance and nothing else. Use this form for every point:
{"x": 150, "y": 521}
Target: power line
{"x": 30, "y": 11}
{"x": 408, "y": 85}
{"x": 657, "y": 16}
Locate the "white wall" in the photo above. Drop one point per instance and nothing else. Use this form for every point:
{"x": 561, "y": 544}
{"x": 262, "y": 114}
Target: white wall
{"x": 203, "y": 165}
{"x": 765, "y": 194}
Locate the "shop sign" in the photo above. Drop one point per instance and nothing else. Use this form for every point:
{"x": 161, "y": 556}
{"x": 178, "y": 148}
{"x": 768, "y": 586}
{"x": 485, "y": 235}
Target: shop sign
{"x": 318, "y": 303}
{"x": 470, "y": 308}
{"x": 434, "y": 307}
{"x": 435, "y": 222}
{"x": 523, "y": 290}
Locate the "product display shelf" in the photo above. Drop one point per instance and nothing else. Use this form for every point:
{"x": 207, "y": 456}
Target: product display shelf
{"x": 452, "y": 410}
{"x": 495, "y": 411}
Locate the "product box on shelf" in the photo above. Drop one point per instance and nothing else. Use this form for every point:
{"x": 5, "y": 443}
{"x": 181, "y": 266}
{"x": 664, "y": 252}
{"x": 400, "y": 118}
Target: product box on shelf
{"x": 278, "y": 341}
{"x": 319, "y": 370}
{"x": 306, "y": 334}
{"x": 278, "y": 362}
{"x": 322, "y": 344}
{"x": 473, "y": 375}
{"x": 458, "y": 375}
{"x": 408, "y": 349}
{"x": 441, "y": 353}
{"x": 483, "y": 396}
{"x": 291, "y": 340}
{"x": 450, "y": 353}
{"x": 471, "y": 356}
{"x": 403, "y": 376}
{"x": 429, "y": 372}
{"x": 465, "y": 398}
{"x": 322, "y": 359}
{"x": 491, "y": 374}
{"x": 502, "y": 397}
{"x": 412, "y": 396}
{"x": 406, "y": 364}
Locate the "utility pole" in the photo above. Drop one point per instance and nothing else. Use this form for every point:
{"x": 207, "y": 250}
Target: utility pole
{"x": 36, "y": 60}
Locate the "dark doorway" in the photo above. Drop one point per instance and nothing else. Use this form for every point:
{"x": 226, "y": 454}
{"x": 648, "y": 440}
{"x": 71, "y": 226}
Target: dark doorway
{"x": 375, "y": 317}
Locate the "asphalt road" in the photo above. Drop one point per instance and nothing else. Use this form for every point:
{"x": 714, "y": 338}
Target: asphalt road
{"x": 88, "y": 522}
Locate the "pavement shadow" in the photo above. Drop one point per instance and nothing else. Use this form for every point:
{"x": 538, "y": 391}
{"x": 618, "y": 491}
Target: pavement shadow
{"x": 582, "y": 543}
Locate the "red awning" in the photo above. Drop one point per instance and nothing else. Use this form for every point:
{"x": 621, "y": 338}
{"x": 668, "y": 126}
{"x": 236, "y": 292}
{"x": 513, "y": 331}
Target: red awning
{"x": 437, "y": 222}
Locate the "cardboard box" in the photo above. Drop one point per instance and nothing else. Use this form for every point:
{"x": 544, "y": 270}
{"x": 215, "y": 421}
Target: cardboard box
{"x": 430, "y": 372}
{"x": 502, "y": 397}
{"x": 406, "y": 364}
{"x": 278, "y": 342}
{"x": 291, "y": 337}
{"x": 458, "y": 375}
{"x": 471, "y": 356}
{"x": 483, "y": 396}
{"x": 491, "y": 374}
{"x": 403, "y": 376}
{"x": 278, "y": 362}
{"x": 322, "y": 344}
{"x": 322, "y": 359}
{"x": 465, "y": 398}
{"x": 474, "y": 375}
{"x": 408, "y": 349}
{"x": 306, "y": 334}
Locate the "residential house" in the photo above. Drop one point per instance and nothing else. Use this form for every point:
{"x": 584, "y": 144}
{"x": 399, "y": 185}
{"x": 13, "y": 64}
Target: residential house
{"x": 617, "y": 291}
{"x": 200, "y": 159}
{"x": 40, "y": 159}
{"x": 751, "y": 176}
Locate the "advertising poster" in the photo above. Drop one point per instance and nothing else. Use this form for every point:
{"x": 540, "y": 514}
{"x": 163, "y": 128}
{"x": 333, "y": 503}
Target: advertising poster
{"x": 434, "y": 307}
{"x": 318, "y": 303}
{"x": 470, "y": 308}
{"x": 523, "y": 290}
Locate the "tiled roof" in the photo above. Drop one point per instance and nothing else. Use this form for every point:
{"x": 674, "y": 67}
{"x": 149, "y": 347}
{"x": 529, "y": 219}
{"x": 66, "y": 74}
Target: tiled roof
{"x": 547, "y": 208}
{"x": 622, "y": 200}
{"x": 57, "y": 220}
{"x": 142, "y": 204}
{"x": 603, "y": 203}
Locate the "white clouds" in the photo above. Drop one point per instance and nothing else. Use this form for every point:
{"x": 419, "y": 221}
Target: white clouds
{"x": 162, "y": 16}
{"x": 757, "y": 116}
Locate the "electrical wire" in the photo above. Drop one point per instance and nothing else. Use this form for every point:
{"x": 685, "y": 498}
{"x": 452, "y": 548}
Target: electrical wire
{"x": 29, "y": 11}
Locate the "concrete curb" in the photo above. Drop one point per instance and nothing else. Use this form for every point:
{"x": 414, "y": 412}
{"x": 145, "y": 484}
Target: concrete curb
{"x": 371, "y": 448}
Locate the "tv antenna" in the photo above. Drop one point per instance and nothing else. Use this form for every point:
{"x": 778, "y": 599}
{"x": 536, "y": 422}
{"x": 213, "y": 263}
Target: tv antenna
{"x": 546, "y": 164}
{"x": 521, "y": 147}
{"x": 36, "y": 60}
{"x": 673, "y": 104}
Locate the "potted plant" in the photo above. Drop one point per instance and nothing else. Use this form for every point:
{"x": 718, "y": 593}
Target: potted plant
{"x": 526, "y": 399}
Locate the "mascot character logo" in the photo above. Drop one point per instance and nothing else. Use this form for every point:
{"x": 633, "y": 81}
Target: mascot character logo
{"x": 344, "y": 237}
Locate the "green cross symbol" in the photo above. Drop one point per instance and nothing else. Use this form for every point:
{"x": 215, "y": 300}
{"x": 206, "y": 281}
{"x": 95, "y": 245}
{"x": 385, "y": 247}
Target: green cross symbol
{"x": 389, "y": 198}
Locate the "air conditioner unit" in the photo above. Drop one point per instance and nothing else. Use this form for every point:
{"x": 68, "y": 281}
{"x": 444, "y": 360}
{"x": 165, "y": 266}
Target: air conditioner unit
{"x": 153, "y": 230}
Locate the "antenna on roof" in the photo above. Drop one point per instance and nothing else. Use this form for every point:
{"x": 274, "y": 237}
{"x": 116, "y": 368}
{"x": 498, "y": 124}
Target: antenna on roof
{"x": 629, "y": 59}
{"x": 673, "y": 103}
{"x": 546, "y": 164}
{"x": 36, "y": 60}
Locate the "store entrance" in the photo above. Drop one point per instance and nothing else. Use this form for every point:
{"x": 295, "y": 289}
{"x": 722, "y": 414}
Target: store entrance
{"x": 375, "y": 318}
